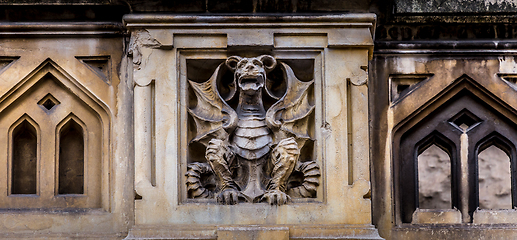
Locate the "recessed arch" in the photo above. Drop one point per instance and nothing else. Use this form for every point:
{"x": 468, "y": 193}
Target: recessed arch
{"x": 438, "y": 139}
{"x": 495, "y": 139}
{"x": 498, "y": 140}
{"x": 448, "y": 165}
{"x": 409, "y": 179}
{"x": 24, "y": 156}
{"x": 434, "y": 179}
{"x": 71, "y": 156}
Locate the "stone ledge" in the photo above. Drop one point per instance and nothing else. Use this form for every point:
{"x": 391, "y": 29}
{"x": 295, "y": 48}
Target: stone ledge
{"x": 301, "y": 232}
{"x": 436, "y": 216}
{"x": 495, "y": 216}
{"x": 57, "y": 235}
{"x": 455, "y": 231}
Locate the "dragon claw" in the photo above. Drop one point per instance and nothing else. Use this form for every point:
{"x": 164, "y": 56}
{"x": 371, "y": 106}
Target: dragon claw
{"x": 275, "y": 197}
{"x": 228, "y": 197}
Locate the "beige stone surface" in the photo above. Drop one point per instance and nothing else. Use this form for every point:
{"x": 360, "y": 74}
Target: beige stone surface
{"x": 455, "y": 231}
{"x": 505, "y": 216}
{"x": 253, "y": 233}
{"x": 436, "y": 216}
{"x": 63, "y": 62}
{"x": 47, "y": 79}
{"x": 341, "y": 127}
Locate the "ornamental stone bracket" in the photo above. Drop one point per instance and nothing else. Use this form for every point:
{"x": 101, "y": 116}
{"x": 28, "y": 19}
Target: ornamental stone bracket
{"x": 251, "y": 126}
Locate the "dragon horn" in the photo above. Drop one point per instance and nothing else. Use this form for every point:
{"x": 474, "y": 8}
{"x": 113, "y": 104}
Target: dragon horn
{"x": 232, "y": 61}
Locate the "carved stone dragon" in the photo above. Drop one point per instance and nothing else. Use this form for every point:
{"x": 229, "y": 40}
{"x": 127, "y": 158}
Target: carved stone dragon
{"x": 252, "y": 152}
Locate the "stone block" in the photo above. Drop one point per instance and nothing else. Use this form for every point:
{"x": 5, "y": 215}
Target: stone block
{"x": 436, "y": 216}
{"x": 253, "y": 233}
{"x": 495, "y": 216}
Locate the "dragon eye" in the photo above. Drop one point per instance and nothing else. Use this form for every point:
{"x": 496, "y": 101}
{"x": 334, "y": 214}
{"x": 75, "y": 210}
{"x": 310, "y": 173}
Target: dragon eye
{"x": 242, "y": 63}
{"x": 257, "y": 62}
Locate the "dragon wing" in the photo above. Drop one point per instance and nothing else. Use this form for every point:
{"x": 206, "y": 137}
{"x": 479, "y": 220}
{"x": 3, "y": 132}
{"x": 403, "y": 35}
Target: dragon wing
{"x": 214, "y": 118}
{"x": 290, "y": 115}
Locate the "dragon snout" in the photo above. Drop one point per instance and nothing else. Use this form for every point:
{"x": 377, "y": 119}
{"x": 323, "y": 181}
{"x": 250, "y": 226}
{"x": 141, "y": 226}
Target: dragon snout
{"x": 251, "y": 82}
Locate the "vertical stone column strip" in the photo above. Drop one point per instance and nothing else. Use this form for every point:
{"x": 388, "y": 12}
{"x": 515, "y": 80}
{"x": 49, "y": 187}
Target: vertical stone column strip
{"x": 141, "y": 46}
{"x": 143, "y": 136}
{"x": 355, "y": 75}
{"x": 337, "y": 119}
{"x": 464, "y": 180}
{"x": 358, "y": 117}
{"x": 358, "y": 131}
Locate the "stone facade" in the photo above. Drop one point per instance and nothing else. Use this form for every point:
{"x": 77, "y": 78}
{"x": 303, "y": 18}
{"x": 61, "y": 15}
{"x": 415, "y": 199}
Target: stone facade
{"x": 308, "y": 52}
{"x": 258, "y": 119}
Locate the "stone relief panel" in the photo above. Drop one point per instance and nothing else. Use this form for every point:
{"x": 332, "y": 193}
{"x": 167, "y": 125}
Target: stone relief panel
{"x": 52, "y": 134}
{"x": 233, "y": 130}
{"x": 253, "y": 127}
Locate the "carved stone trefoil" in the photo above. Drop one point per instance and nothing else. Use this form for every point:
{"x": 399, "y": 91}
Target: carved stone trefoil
{"x": 252, "y": 153}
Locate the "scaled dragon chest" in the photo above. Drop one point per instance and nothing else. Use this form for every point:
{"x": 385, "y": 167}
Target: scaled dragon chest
{"x": 252, "y": 138}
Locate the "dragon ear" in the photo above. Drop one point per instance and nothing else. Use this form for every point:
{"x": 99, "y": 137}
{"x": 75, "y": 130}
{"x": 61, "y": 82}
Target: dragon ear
{"x": 225, "y": 83}
{"x": 232, "y": 61}
{"x": 268, "y": 61}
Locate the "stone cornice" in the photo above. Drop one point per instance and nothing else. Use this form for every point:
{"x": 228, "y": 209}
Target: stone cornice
{"x": 83, "y": 29}
{"x": 246, "y": 21}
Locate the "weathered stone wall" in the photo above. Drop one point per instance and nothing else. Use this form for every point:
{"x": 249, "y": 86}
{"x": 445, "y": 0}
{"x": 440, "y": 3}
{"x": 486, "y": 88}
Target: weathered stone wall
{"x": 462, "y": 6}
{"x": 413, "y": 39}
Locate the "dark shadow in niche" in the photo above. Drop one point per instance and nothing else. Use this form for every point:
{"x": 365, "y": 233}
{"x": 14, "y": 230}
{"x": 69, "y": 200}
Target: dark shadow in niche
{"x": 24, "y": 161}
{"x": 303, "y": 68}
{"x": 71, "y": 159}
{"x": 200, "y": 70}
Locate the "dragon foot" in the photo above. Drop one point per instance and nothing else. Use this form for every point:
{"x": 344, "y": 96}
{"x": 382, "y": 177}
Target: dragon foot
{"x": 275, "y": 197}
{"x": 230, "y": 196}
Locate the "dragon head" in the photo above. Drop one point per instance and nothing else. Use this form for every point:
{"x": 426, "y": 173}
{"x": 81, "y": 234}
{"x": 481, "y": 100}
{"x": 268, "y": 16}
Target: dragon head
{"x": 250, "y": 73}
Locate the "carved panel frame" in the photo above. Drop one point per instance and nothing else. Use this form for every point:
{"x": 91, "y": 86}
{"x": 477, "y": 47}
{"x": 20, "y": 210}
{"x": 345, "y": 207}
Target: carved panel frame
{"x": 340, "y": 46}
{"x": 293, "y": 55}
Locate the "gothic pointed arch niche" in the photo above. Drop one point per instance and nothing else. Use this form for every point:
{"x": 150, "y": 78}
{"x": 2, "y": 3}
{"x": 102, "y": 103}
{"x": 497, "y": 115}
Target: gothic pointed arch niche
{"x": 414, "y": 145}
{"x": 502, "y": 143}
{"x": 72, "y": 162}
{"x": 435, "y": 139}
{"x": 24, "y": 154}
{"x": 463, "y": 120}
